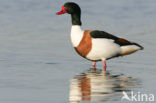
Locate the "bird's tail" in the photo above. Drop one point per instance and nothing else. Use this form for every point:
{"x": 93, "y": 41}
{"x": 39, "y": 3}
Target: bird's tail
{"x": 141, "y": 47}
{"x": 128, "y": 49}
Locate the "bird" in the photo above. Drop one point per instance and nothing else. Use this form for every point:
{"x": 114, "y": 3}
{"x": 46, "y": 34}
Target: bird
{"x": 95, "y": 45}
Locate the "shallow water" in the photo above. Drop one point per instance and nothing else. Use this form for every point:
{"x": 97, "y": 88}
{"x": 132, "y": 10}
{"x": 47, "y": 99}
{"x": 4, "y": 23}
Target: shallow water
{"x": 39, "y": 65}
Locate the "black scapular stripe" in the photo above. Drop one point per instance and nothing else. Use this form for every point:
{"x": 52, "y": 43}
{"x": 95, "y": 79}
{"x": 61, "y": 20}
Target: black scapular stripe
{"x": 102, "y": 34}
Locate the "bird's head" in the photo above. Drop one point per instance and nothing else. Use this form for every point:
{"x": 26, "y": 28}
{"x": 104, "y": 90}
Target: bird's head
{"x": 70, "y": 8}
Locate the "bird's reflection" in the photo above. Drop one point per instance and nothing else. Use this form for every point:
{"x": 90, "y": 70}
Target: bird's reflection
{"x": 98, "y": 85}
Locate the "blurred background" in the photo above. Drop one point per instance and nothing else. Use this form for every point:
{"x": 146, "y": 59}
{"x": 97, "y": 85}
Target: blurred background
{"x": 38, "y": 62}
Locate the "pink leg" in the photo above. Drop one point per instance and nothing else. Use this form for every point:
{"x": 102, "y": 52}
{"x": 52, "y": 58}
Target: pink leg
{"x": 104, "y": 65}
{"x": 94, "y": 64}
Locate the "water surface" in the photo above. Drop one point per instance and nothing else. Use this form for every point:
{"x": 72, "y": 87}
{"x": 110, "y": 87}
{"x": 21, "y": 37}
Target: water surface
{"x": 100, "y": 86}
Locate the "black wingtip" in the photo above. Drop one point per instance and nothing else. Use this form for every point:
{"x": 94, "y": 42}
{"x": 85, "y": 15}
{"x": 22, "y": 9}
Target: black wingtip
{"x": 139, "y": 46}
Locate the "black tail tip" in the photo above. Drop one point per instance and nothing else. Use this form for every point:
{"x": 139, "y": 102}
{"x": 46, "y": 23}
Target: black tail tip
{"x": 139, "y": 46}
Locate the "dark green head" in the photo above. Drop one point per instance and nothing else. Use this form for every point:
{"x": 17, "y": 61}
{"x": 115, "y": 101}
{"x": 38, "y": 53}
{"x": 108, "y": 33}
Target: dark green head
{"x": 73, "y": 9}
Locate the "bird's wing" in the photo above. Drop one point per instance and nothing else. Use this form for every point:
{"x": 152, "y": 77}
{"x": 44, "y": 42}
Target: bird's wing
{"x": 101, "y": 34}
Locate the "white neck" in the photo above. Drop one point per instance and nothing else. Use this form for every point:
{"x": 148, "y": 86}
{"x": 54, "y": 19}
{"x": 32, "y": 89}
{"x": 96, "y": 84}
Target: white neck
{"x": 76, "y": 35}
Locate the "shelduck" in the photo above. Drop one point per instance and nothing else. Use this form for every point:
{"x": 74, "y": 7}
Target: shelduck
{"x": 95, "y": 45}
